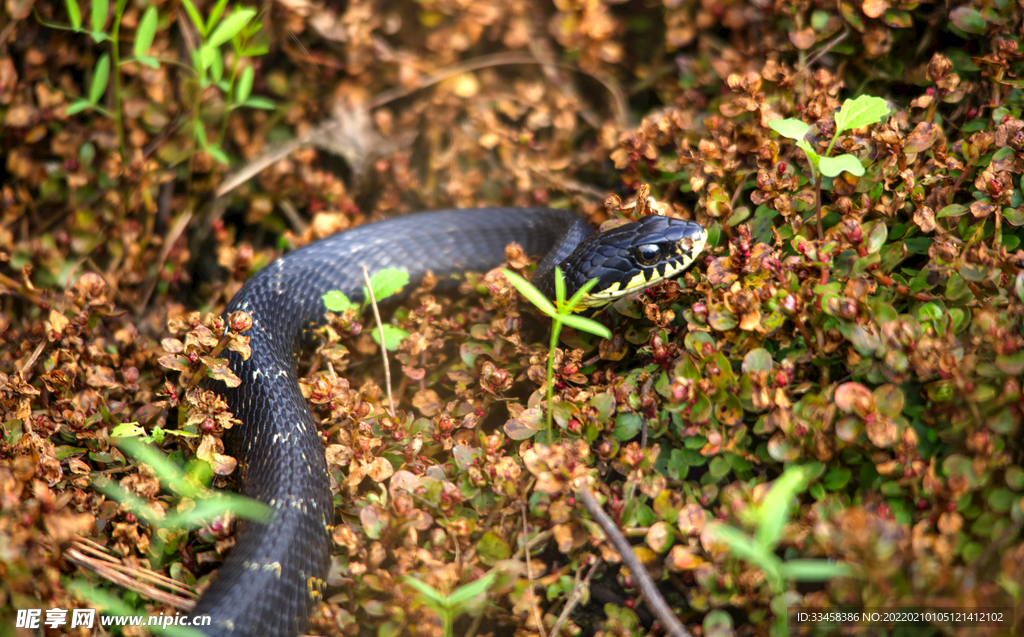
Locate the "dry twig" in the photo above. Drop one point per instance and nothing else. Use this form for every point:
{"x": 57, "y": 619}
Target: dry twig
{"x": 655, "y": 601}
{"x": 380, "y": 332}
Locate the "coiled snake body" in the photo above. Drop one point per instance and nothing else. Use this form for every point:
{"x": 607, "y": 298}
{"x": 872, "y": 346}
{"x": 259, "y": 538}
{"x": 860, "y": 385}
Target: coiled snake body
{"x": 270, "y": 580}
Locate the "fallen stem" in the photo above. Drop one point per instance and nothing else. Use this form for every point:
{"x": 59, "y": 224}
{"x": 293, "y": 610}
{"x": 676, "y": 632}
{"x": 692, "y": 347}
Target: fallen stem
{"x": 383, "y": 347}
{"x": 655, "y": 601}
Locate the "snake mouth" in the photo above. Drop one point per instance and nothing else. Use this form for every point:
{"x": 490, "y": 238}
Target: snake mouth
{"x": 636, "y": 256}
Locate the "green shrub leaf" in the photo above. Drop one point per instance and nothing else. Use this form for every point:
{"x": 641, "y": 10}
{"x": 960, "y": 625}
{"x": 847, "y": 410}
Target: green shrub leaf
{"x": 98, "y": 16}
{"x": 99, "y": 79}
{"x": 145, "y": 33}
{"x": 862, "y": 111}
{"x": 393, "y": 336}
{"x": 195, "y": 16}
{"x": 74, "y": 14}
{"x": 532, "y": 294}
{"x": 231, "y": 25}
{"x": 791, "y": 128}
{"x": 833, "y": 166}
{"x": 245, "y": 79}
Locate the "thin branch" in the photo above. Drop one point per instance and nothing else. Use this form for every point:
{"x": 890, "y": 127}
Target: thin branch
{"x": 639, "y": 572}
{"x": 575, "y": 597}
{"x": 825, "y": 49}
{"x": 383, "y": 348}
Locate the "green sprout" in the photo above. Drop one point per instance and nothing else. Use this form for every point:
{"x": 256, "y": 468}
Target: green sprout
{"x": 191, "y": 486}
{"x": 208, "y": 64}
{"x": 385, "y": 283}
{"x": 561, "y": 313}
{"x": 464, "y": 599}
{"x": 856, "y": 113}
{"x": 770, "y": 518}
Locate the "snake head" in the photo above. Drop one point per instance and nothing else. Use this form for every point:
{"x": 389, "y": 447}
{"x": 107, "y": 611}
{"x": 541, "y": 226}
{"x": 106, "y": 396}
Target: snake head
{"x": 632, "y": 257}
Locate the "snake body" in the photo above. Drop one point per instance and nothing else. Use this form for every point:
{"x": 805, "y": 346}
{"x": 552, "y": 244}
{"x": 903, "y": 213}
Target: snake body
{"x": 272, "y": 577}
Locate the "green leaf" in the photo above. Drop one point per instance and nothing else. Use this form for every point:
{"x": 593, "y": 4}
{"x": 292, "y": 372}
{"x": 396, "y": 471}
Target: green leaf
{"x": 206, "y": 54}
{"x": 744, "y": 548}
{"x": 812, "y": 156}
{"x": 217, "y": 153}
{"x": 387, "y": 282}
{"x": 145, "y": 33}
{"x": 261, "y": 103}
{"x": 532, "y": 294}
{"x": 393, "y": 336}
{"x": 491, "y": 548}
{"x": 215, "y": 14}
{"x": 127, "y": 430}
{"x": 149, "y": 61}
{"x": 466, "y": 593}
{"x": 952, "y": 210}
{"x": 197, "y": 18}
{"x": 428, "y": 591}
{"x": 200, "y": 132}
{"x": 74, "y": 14}
{"x": 968, "y": 20}
{"x": 207, "y": 508}
{"x": 244, "y": 87}
{"x": 585, "y": 324}
{"x": 559, "y": 287}
{"x": 98, "y": 17}
{"x": 876, "y": 238}
{"x": 216, "y": 66}
{"x": 99, "y": 79}
{"x": 78, "y": 106}
{"x": 627, "y": 426}
{"x": 336, "y": 301}
{"x": 832, "y": 166}
{"x": 774, "y": 510}
{"x": 806, "y": 570}
{"x": 164, "y": 469}
{"x": 571, "y": 304}
{"x": 231, "y": 25}
{"x": 837, "y": 479}
{"x": 791, "y": 128}
{"x": 860, "y": 112}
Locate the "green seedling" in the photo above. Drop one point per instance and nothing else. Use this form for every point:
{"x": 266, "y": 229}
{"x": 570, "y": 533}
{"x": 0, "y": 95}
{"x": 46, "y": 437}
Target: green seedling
{"x": 856, "y": 113}
{"x": 561, "y": 313}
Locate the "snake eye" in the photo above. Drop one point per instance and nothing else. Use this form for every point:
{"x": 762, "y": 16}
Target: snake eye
{"x": 648, "y": 253}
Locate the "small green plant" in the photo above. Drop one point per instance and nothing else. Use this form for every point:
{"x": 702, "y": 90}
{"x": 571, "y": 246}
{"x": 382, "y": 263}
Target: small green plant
{"x": 561, "y": 313}
{"x": 385, "y": 283}
{"x": 769, "y": 518}
{"x": 190, "y": 486}
{"x": 208, "y": 62}
{"x": 464, "y": 599}
{"x": 99, "y": 10}
{"x": 856, "y": 113}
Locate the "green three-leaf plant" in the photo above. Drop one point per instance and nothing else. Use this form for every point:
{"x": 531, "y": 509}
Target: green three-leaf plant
{"x": 385, "y": 283}
{"x": 770, "y": 518}
{"x": 561, "y": 313}
{"x": 854, "y": 114}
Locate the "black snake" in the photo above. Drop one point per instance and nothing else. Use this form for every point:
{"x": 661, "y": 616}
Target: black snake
{"x": 272, "y": 577}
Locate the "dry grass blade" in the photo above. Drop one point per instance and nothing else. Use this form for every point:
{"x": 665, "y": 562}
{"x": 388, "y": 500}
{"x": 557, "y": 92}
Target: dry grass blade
{"x": 132, "y": 578}
{"x": 383, "y": 348}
